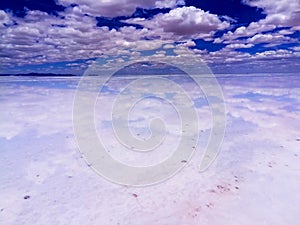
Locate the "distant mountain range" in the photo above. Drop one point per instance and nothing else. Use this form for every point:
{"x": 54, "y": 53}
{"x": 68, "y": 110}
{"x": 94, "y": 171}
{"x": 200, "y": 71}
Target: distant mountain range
{"x": 140, "y": 68}
{"x": 39, "y": 75}
{"x": 149, "y": 68}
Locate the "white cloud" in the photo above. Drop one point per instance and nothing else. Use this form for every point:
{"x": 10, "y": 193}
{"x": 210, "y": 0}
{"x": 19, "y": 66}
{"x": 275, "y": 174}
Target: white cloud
{"x": 297, "y": 48}
{"x": 169, "y": 3}
{"x": 168, "y": 46}
{"x": 274, "y": 54}
{"x": 281, "y": 13}
{"x": 253, "y": 29}
{"x": 112, "y": 8}
{"x": 140, "y": 45}
{"x": 40, "y": 38}
{"x": 188, "y": 22}
{"x": 188, "y": 43}
{"x": 286, "y": 32}
{"x": 235, "y": 46}
{"x": 5, "y": 19}
{"x": 268, "y": 38}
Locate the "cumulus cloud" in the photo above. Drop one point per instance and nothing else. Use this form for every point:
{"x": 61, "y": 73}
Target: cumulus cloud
{"x": 39, "y": 38}
{"x": 252, "y": 29}
{"x": 141, "y": 45}
{"x": 275, "y": 54}
{"x": 169, "y": 3}
{"x": 185, "y": 21}
{"x": 236, "y": 60}
{"x": 190, "y": 20}
{"x": 297, "y": 48}
{"x": 5, "y": 19}
{"x": 282, "y": 13}
{"x": 268, "y": 38}
{"x": 113, "y": 8}
{"x": 235, "y": 46}
{"x": 188, "y": 43}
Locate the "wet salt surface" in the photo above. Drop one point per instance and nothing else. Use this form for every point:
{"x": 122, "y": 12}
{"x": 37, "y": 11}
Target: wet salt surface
{"x": 254, "y": 180}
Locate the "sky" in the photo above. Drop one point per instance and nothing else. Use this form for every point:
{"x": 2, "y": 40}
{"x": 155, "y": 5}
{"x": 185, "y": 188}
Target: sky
{"x": 230, "y": 36}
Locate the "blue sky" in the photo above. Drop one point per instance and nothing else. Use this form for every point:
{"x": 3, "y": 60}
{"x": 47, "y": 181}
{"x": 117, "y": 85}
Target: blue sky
{"x": 231, "y": 36}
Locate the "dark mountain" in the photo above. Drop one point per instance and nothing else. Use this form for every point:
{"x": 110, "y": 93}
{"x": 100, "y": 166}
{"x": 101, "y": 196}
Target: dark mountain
{"x": 39, "y": 75}
{"x": 149, "y": 68}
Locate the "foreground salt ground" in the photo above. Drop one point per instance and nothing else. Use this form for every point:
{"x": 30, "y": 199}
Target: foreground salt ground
{"x": 255, "y": 179}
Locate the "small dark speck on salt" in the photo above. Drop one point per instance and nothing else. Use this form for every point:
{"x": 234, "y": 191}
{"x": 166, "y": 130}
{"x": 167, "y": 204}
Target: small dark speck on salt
{"x": 298, "y": 139}
{"x": 134, "y": 195}
{"x": 2, "y": 210}
{"x": 183, "y": 161}
{"x": 26, "y": 197}
{"x": 237, "y": 188}
{"x": 209, "y": 205}
{"x": 212, "y": 191}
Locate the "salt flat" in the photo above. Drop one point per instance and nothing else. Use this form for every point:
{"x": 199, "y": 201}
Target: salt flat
{"x": 254, "y": 180}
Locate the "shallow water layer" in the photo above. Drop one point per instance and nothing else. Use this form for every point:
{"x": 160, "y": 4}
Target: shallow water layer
{"x": 254, "y": 180}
